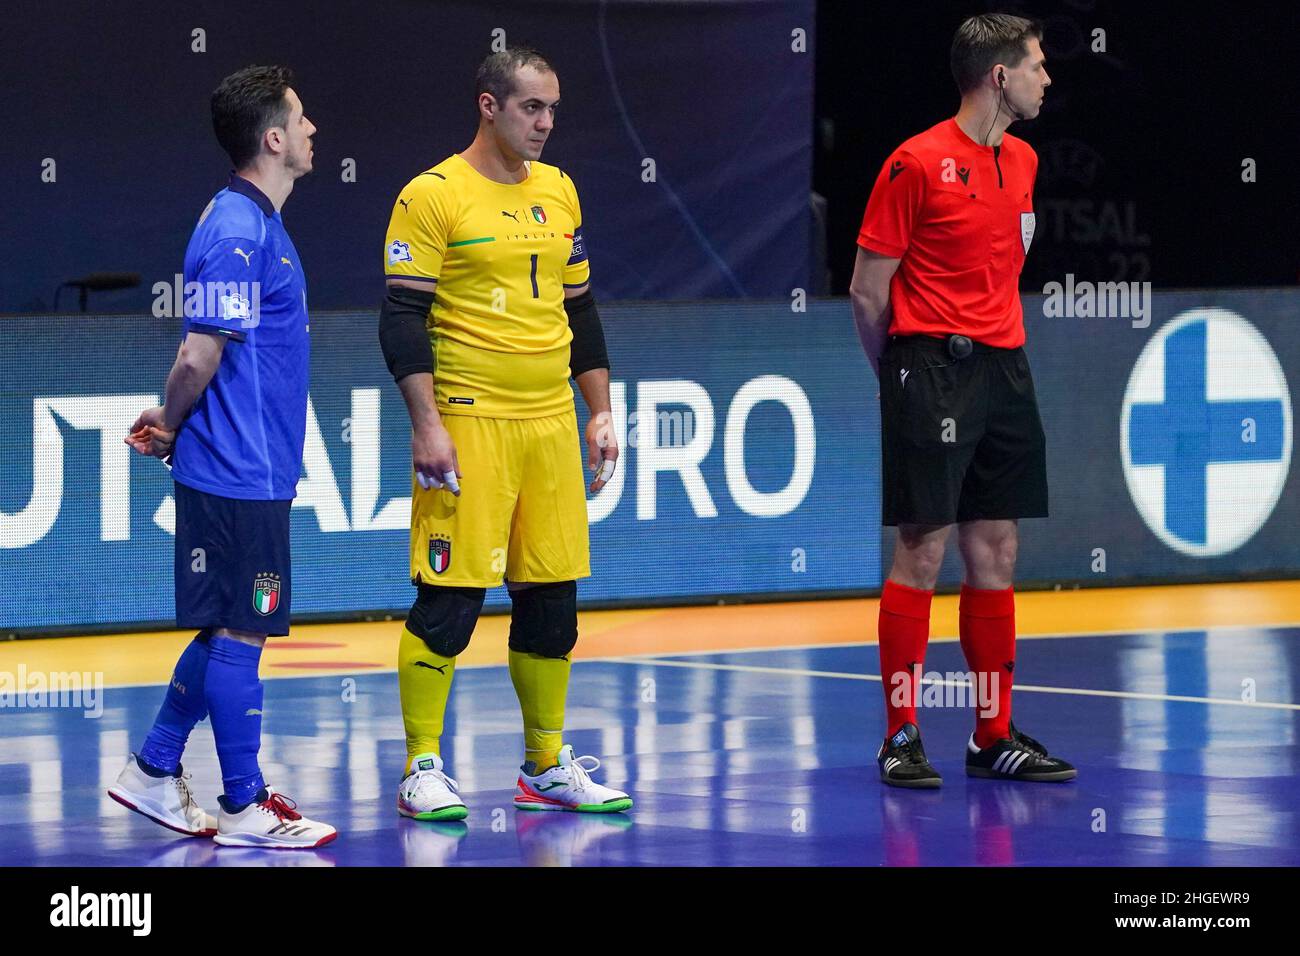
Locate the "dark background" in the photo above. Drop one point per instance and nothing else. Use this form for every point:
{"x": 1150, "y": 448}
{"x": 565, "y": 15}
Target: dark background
{"x": 1160, "y": 123}
{"x": 116, "y": 95}
{"x": 1141, "y": 146}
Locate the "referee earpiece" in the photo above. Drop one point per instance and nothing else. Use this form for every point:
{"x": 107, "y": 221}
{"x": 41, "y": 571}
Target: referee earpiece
{"x": 1002, "y": 89}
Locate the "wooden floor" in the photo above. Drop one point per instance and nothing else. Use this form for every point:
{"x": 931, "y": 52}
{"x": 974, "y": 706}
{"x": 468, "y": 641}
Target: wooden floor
{"x": 1178, "y": 705}
{"x": 327, "y": 649}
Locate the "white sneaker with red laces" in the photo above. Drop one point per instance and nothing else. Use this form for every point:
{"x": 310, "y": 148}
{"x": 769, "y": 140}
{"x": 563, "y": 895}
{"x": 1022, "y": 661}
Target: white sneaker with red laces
{"x": 271, "y": 821}
{"x": 164, "y": 800}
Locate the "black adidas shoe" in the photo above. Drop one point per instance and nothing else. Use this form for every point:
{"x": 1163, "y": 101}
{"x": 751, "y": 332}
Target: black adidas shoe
{"x": 1019, "y": 757}
{"x": 903, "y": 763}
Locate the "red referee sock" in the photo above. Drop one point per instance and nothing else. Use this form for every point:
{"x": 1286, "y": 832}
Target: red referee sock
{"x": 904, "y": 632}
{"x": 988, "y": 639}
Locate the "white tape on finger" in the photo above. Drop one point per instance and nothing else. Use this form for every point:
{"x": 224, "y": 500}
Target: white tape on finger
{"x": 606, "y": 469}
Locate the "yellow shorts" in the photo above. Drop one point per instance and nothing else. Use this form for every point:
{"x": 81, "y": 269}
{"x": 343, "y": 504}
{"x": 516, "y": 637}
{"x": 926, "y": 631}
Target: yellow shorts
{"x": 522, "y": 510}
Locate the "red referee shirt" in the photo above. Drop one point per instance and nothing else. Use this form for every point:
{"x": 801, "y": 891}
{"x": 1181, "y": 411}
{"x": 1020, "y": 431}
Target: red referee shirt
{"x": 960, "y": 216}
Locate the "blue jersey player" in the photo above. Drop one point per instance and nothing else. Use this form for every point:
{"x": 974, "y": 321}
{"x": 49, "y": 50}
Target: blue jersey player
{"x": 232, "y": 424}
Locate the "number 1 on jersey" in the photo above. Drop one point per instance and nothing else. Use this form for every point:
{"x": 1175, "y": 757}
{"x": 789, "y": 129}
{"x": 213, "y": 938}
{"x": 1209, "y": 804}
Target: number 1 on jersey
{"x": 533, "y": 274}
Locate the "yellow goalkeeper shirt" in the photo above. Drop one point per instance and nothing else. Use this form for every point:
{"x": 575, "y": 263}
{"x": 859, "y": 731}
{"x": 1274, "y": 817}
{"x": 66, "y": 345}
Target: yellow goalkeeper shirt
{"x": 501, "y": 256}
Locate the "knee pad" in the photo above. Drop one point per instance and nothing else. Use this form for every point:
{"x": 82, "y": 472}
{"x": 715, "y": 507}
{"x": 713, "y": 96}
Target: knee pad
{"x": 544, "y": 619}
{"x": 444, "y": 618}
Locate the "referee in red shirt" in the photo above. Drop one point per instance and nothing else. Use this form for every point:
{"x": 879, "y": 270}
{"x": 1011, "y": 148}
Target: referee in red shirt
{"x": 937, "y": 307}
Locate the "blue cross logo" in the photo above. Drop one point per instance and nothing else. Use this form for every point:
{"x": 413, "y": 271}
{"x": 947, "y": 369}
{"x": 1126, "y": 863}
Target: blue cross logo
{"x": 1187, "y": 432}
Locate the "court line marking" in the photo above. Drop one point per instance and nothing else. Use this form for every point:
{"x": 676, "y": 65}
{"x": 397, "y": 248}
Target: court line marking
{"x": 659, "y": 655}
{"x": 1031, "y": 688}
{"x": 941, "y": 639}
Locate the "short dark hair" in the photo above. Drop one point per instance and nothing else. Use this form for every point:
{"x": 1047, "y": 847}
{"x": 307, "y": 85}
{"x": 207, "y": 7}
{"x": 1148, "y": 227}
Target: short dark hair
{"x": 987, "y": 39}
{"x": 245, "y": 105}
{"x": 496, "y": 74}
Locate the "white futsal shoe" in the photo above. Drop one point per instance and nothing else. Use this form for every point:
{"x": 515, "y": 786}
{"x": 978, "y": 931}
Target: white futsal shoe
{"x": 164, "y": 800}
{"x": 568, "y": 786}
{"x": 426, "y": 793}
{"x": 273, "y": 823}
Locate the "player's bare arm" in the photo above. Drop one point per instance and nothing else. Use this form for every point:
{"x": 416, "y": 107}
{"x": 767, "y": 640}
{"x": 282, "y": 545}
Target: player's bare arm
{"x": 602, "y": 440}
{"x": 433, "y": 453}
{"x": 869, "y": 295}
{"x": 154, "y": 432}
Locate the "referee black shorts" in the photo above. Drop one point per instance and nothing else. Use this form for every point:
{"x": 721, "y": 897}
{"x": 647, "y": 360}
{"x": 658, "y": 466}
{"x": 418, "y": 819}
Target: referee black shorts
{"x": 961, "y": 439}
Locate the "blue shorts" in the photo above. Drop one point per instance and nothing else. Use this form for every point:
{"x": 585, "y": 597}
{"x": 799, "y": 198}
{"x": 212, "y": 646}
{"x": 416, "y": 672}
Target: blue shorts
{"x": 232, "y": 563}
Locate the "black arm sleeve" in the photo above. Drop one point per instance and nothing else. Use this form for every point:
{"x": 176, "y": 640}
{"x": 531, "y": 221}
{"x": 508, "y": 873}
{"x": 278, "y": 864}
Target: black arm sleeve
{"x": 588, "y": 348}
{"x": 402, "y": 333}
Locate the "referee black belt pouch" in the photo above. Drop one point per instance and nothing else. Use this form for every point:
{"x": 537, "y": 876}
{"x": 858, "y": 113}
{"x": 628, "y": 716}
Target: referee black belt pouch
{"x": 956, "y": 347}
{"x": 959, "y": 346}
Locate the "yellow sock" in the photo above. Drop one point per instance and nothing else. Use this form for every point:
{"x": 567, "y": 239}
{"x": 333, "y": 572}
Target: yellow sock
{"x": 542, "y": 684}
{"x": 424, "y": 680}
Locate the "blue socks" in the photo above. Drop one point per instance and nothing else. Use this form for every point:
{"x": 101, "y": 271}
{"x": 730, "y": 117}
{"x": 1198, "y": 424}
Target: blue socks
{"x": 234, "y": 698}
{"x": 217, "y": 679}
{"x": 183, "y": 707}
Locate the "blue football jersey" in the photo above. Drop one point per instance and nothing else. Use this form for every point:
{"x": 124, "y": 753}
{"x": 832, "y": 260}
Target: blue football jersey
{"x": 243, "y": 281}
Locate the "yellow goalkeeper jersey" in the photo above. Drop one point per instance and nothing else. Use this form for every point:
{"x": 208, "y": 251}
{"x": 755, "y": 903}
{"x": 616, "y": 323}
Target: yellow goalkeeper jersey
{"x": 499, "y": 257}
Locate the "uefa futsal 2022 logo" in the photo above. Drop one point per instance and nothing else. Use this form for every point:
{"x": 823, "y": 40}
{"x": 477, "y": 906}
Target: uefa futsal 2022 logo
{"x": 1206, "y": 432}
